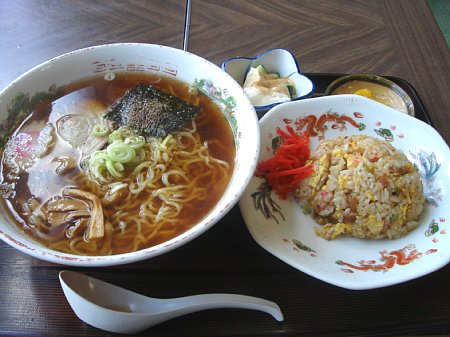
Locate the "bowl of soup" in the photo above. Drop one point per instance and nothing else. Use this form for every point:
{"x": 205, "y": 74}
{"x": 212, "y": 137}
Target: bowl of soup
{"x": 375, "y": 87}
{"x": 117, "y": 153}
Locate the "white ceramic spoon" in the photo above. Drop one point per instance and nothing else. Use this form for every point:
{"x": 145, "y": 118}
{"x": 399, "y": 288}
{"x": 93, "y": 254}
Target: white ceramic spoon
{"x": 111, "y": 308}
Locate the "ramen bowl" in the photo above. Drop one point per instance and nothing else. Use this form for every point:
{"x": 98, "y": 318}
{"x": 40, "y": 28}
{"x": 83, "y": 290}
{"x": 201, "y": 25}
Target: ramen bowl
{"x": 108, "y": 62}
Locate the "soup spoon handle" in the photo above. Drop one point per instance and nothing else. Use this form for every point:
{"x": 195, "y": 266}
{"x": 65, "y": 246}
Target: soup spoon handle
{"x": 189, "y": 304}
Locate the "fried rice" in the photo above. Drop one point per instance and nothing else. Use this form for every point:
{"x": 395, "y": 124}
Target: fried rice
{"x": 362, "y": 187}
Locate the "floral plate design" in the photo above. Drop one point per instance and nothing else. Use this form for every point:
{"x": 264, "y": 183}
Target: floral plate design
{"x": 281, "y": 227}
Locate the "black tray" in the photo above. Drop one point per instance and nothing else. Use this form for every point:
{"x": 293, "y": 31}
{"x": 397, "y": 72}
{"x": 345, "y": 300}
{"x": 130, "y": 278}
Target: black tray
{"x": 323, "y": 80}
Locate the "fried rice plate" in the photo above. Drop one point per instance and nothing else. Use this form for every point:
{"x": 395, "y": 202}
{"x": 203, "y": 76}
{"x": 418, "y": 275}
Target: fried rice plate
{"x": 362, "y": 187}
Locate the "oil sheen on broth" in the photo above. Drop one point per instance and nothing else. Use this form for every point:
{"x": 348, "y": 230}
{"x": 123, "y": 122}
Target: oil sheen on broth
{"x": 52, "y": 193}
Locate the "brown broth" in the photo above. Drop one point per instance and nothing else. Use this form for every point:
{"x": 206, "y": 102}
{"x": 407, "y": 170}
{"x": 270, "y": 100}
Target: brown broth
{"x": 95, "y": 95}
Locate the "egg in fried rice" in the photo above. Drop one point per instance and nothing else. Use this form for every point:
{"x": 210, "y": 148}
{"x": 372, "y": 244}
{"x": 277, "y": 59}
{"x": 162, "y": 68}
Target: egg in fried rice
{"x": 362, "y": 187}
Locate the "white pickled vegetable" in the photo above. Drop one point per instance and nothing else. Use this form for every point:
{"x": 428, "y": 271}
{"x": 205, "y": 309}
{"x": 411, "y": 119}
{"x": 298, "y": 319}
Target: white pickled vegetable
{"x": 263, "y": 88}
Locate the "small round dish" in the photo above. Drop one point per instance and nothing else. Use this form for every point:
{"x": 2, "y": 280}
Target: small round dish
{"x": 289, "y": 234}
{"x": 280, "y": 61}
{"x": 375, "y": 87}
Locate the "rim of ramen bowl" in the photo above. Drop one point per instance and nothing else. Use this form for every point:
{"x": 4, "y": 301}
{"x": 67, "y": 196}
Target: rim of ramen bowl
{"x": 15, "y": 238}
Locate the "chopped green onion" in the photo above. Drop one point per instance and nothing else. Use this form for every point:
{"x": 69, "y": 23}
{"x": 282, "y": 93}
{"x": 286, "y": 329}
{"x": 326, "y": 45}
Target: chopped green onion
{"x": 100, "y": 130}
{"x": 121, "y": 133}
{"x": 135, "y": 142}
{"x": 125, "y": 148}
{"x": 140, "y": 156}
{"x": 120, "y": 152}
{"x": 115, "y": 169}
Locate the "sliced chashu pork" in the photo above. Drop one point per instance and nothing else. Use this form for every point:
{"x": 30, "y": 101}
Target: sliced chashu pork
{"x": 76, "y": 129}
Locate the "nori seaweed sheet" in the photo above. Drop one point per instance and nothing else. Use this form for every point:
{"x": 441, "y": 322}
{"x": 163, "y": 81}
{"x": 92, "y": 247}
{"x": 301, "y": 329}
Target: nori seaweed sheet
{"x": 150, "y": 111}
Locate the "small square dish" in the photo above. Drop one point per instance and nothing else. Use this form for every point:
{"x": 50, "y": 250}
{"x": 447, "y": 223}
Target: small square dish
{"x": 283, "y": 228}
{"x": 278, "y": 62}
